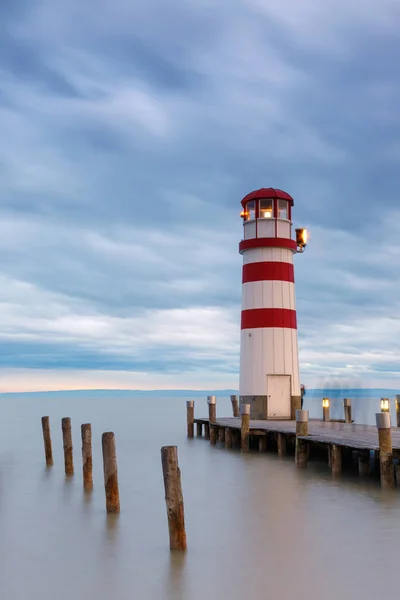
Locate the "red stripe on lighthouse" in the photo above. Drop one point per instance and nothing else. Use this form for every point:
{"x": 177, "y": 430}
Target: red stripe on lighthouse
{"x": 268, "y": 271}
{"x": 256, "y": 318}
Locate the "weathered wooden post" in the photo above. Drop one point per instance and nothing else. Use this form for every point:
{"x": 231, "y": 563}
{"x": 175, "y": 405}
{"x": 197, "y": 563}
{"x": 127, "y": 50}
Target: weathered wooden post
{"x": 347, "y": 410}
{"x": 228, "y": 437}
{"x": 173, "y": 498}
{"x": 212, "y": 408}
{"x": 281, "y": 442}
{"x": 87, "y": 461}
{"x": 221, "y": 434}
{"x": 110, "y": 472}
{"x": 398, "y": 410}
{"x": 235, "y": 405}
{"x": 385, "y": 405}
{"x": 67, "y": 443}
{"x": 190, "y": 418}
{"x": 301, "y": 454}
{"x": 385, "y": 449}
{"x": 245, "y": 412}
{"x": 48, "y": 451}
{"x": 325, "y": 409}
{"x": 213, "y": 435}
{"x": 262, "y": 443}
{"x": 336, "y": 460}
{"x": 199, "y": 429}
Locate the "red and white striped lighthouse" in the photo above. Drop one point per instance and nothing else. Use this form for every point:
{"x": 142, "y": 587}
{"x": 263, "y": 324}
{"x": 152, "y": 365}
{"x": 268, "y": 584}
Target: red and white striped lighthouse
{"x": 269, "y": 363}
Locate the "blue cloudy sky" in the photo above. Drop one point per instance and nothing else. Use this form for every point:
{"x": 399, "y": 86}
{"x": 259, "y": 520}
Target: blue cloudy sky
{"x": 129, "y": 133}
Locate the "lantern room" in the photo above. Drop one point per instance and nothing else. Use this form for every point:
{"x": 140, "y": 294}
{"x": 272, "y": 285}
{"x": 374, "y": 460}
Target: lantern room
{"x": 267, "y": 213}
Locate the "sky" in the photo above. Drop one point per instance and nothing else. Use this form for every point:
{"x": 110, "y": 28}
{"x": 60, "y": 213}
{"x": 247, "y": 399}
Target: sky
{"x": 130, "y": 131}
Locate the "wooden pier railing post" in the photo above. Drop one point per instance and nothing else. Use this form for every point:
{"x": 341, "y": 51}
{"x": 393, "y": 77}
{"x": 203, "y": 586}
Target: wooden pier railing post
{"x": 173, "y": 498}
{"x": 244, "y": 433}
{"x": 48, "y": 451}
{"x": 212, "y": 408}
{"x": 190, "y": 418}
{"x": 398, "y": 410}
{"x": 235, "y": 405}
{"x": 325, "y": 409}
{"x": 87, "y": 461}
{"x": 336, "y": 460}
{"x": 67, "y": 443}
{"x": 301, "y": 455}
{"x": 110, "y": 472}
{"x": 347, "y": 410}
{"x": 385, "y": 449}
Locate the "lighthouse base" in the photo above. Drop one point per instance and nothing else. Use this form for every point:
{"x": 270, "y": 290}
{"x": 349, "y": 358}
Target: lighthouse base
{"x": 259, "y": 407}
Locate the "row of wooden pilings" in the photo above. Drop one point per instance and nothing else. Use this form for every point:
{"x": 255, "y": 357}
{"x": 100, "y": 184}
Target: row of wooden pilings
{"x": 170, "y": 468}
{"x": 383, "y": 423}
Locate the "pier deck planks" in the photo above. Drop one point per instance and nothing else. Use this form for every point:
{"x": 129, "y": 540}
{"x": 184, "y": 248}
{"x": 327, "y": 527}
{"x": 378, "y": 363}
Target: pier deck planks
{"x": 350, "y": 435}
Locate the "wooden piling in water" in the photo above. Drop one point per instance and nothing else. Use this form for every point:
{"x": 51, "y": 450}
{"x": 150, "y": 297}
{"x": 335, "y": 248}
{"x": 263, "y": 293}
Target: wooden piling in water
{"x": 244, "y": 432}
{"x": 87, "y": 461}
{"x": 385, "y": 449}
{"x": 281, "y": 443}
{"x": 301, "y": 452}
{"x": 221, "y": 434}
{"x": 110, "y": 472}
{"x": 48, "y": 451}
{"x": 228, "y": 437}
{"x": 67, "y": 444}
{"x": 206, "y": 431}
{"x": 212, "y": 408}
{"x": 336, "y": 460}
{"x": 213, "y": 435}
{"x": 190, "y": 418}
{"x": 173, "y": 498}
{"x": 262, "y": 443}
{"x": 364, "y": 463}
{"x": 347, "y": 410}
{"x": 199, "y": 429}
{"x": 235, "y": 405}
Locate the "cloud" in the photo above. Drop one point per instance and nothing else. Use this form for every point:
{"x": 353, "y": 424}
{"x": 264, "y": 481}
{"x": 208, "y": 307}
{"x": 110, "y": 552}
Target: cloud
{"x": 128, "y": 140}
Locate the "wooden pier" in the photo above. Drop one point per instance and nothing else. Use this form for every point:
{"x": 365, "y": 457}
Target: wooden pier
{"x": 340, "y": 443}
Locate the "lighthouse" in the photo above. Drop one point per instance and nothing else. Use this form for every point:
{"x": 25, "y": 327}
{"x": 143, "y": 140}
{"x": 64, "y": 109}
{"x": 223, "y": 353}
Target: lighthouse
{"x": 269, "y": 362}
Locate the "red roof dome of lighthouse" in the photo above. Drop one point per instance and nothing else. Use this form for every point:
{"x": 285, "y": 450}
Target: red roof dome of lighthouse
{"x": 268, "y": 193}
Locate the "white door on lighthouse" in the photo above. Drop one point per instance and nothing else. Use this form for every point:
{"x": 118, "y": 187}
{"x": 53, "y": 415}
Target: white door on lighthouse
{"x": 279, "y": 404}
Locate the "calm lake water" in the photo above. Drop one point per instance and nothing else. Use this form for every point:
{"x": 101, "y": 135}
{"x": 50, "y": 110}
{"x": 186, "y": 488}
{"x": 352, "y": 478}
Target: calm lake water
{"x": 256, "y": 526}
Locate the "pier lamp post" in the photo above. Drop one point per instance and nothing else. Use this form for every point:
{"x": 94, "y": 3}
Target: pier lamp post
{"x": 325, "y": 409}
{"x": 385, "y": 405}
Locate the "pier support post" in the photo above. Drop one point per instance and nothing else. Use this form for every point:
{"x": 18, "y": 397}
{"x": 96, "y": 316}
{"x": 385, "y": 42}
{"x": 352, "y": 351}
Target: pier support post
{"x": 262, "y": 443}
{"x": 228, "y": 437}
{"x": 235, "y": 405}
{"x": 48, "y": 451}
{"x": 245, "y": 412}
{"x": 281, "y": 442}
{"x": 199, "y": 429}
{"x": 213, "y": 435}
{"x": 301, "y": 454}
{"x": 347, "y": 410}
{"x": 87, "y": 461}
{"x": 325, "y": 409}
{"x": 110, "y": 472}
{"x": 385, "y": 449}
{"x": 398, "y": 410}
{"x": 206, "y": 431}
{"x": 67, "y": 443}
{"x": 190, "y": 418}
{"x": 212, "y": 408}
{"x": 336, "y": 460}
{"x": 221, "y": 434}
{"x": 173, "y": 498}
{"x": 364, "y": 463}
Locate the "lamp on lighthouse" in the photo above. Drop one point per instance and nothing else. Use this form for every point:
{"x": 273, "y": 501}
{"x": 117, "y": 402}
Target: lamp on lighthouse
{"x": 301, "y": 239}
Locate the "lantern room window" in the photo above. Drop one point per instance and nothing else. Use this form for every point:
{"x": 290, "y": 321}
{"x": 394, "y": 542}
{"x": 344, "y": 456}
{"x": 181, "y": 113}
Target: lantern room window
{"x": 283, "y": 209}
{"x": 266, "y": 209}
{"x": 251, "y": 210}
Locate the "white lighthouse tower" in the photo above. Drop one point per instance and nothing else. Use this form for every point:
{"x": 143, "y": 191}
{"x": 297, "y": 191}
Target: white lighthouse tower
{"x": 269, "y": 363}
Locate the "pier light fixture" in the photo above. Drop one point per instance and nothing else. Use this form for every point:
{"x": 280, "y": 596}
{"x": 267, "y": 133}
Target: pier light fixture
{"x": 301, "y": 239}
{"x": 385, "y": 405}
{"x": 325, "y": 402}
